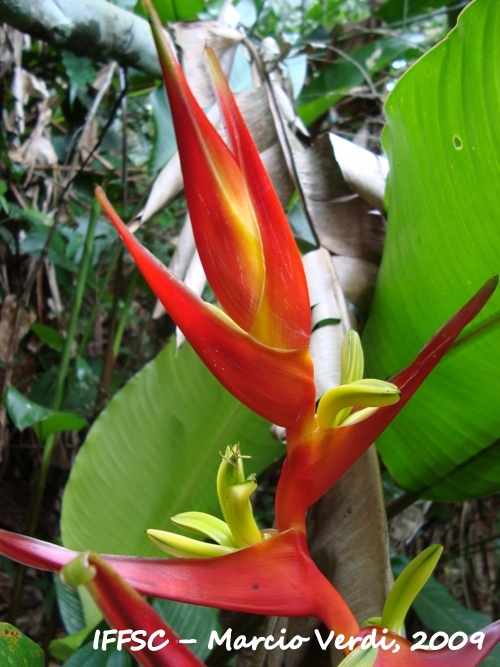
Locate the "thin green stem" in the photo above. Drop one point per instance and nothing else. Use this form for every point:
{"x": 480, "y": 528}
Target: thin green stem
{"x": 125, "y": 312}
{"x": 109, "y": 356}
{"x": 64, "y": 365}
{"x": 48, "y": 445}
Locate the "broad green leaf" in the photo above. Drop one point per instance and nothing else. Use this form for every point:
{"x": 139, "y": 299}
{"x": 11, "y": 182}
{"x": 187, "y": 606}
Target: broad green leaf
{"x": 16, "y": 649}
{"x": 439, "y": 611}
{"x": 338, "y": 79}
{"x": 154, "y": 452}
{"x": 442, "y": 245}
{"x": 25, "y": 413}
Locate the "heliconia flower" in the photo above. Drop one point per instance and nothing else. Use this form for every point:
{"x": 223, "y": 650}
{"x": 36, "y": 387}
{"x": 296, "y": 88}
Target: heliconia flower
{"x": 238, "y": 531}
{"x": 125, "y": 610}
{"x": 258, "y": 346}
{"x": 314, "y": 463}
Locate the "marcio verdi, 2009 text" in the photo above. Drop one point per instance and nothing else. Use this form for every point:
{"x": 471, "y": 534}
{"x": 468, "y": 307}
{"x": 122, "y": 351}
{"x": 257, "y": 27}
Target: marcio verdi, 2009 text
{"x": 139, "y": 640}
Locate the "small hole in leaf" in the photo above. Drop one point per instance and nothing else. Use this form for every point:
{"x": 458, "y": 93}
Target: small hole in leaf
{"x": 457, "y": 142}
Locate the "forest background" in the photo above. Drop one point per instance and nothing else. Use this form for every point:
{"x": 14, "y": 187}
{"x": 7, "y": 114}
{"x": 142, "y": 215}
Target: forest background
{"x": 82, "y": 104}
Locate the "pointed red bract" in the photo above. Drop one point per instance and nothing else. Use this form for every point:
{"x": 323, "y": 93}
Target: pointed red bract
{"x": 224, "y": 224}
{"x": 276, "y": 384}
{"x": 276, "y": 577}
{"x": 247, "y": 249}
{"x": 124, "y": 609}
{"x": 283, "y": 319}
{"x": 315, "y": 463}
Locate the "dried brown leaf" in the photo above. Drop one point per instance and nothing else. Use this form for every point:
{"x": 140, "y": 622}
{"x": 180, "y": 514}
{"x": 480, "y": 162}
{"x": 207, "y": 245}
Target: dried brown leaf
{"x": 191, "y": 40}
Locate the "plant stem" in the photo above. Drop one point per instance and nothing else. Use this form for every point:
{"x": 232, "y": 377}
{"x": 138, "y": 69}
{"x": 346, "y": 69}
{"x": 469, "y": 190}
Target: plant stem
{"x": 98, "y": 301}
{"x": 48, "y": 446}
{"x": 125, "y": 312}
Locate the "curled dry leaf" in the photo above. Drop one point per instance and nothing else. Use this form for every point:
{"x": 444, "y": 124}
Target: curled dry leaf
{"x": 330, "y": 319}
{"x": 345, "y": 224}
{"x": 37, "y": 150}
{"x": 364, "y": 172}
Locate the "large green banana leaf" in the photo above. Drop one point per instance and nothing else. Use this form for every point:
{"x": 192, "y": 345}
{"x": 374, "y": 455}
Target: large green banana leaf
{"x": 443, "y": 243}
{"x": 154, "y": 452}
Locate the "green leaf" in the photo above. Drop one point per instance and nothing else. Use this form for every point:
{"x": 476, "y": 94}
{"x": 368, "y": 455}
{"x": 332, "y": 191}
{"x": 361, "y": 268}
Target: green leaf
{"x": 34, "y": 243}
{"x": 25, "y": 413}
{"x": 87, "y": 656}
{"x": 64, "y": 648}
{"x": 439, "y": 611}
{"x": 175, "y": 10}
{"x": 165, "y": 144}
{"x": 442, "y": 245}
{"x": 400, "y": 10}
{"x": 50, "y": 336}
{"x": 190, "y": 622}
{"x": 16, "y": 649}
{"x": 339, "y": 78}
{"x": 154, "y": 452}
{"x": 70, "y": 606}
{"x": 80, "y": 70}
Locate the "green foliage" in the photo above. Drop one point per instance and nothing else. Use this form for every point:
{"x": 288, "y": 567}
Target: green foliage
{"x": 81, "y": 72}
{"x": 44, "y": 421}
{"x": 441, "y": 246}
{"x": 439, "y": 611}
{"x": 16, "y": 649}
{"x": 190, "y": 621}
{"x": 394, "y": 11}
{"x": 87, "y": 656}
{"x": 335, "y": 81}
{"x": 155, "y": 449}
{"x": 165, "y": 144}
{"x": 175, "y": 10}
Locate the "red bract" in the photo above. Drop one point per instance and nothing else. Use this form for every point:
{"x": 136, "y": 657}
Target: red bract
{"x": 274, "y": 577}
{"x": 124, "y": 609}
{"x": 315, "y": 463}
